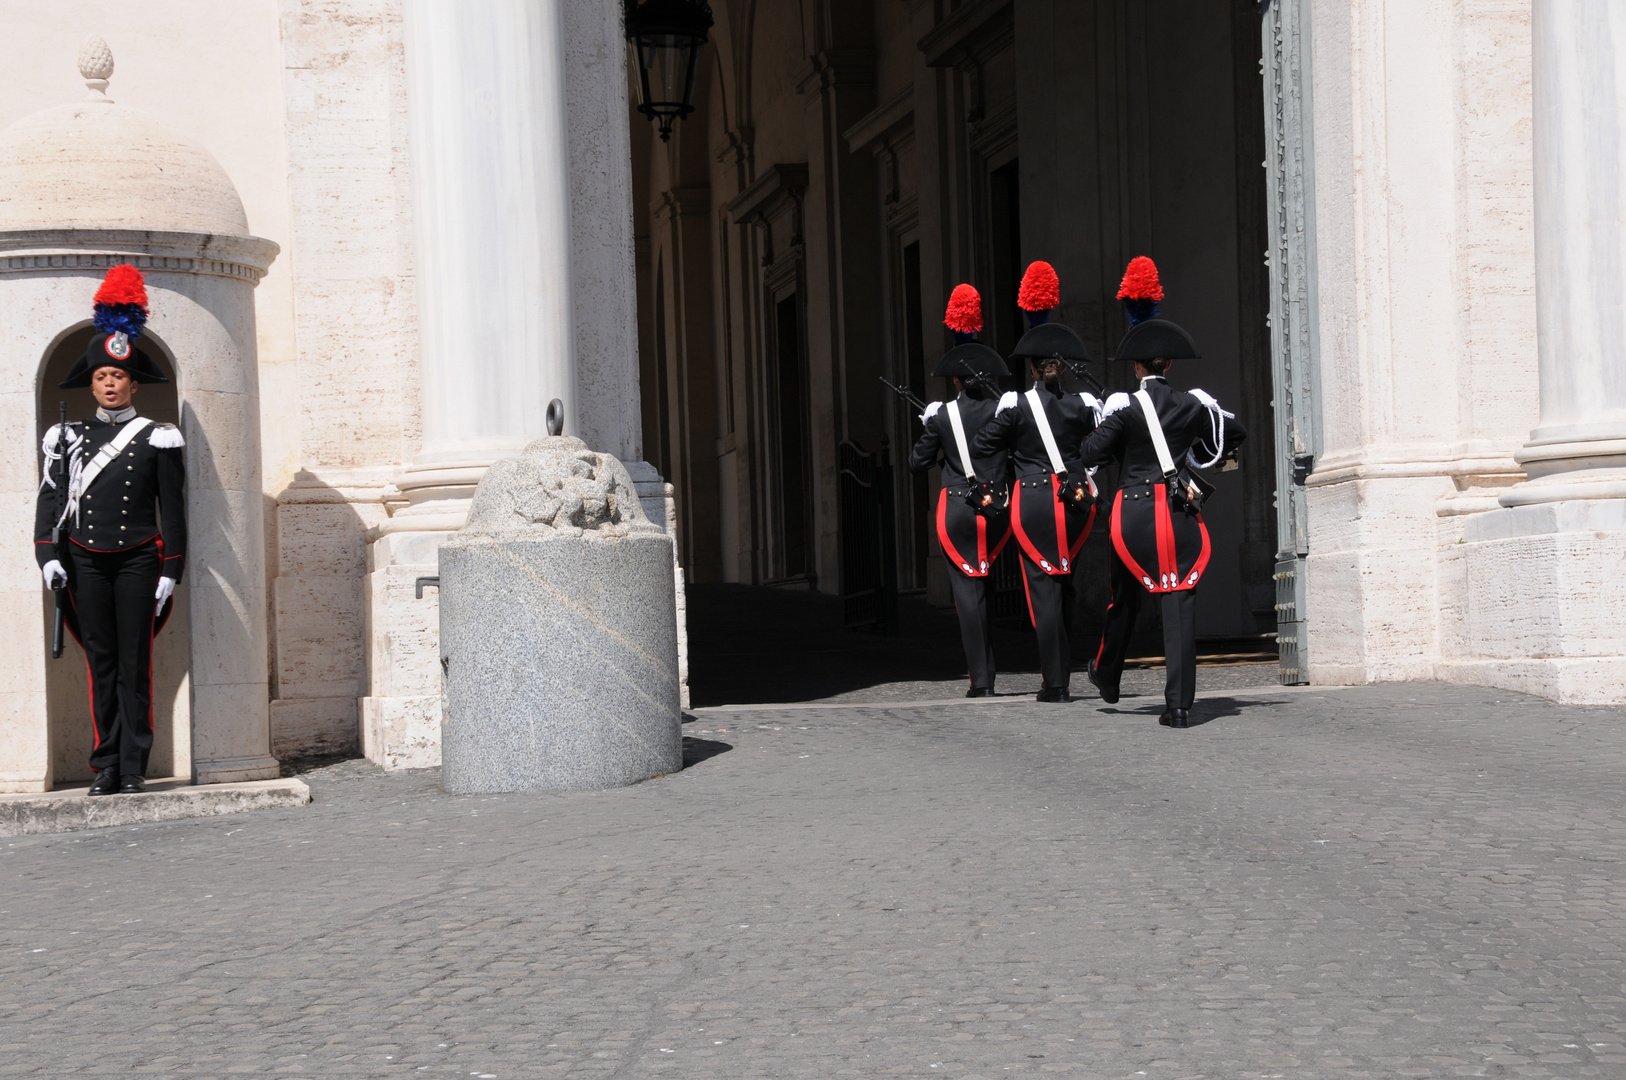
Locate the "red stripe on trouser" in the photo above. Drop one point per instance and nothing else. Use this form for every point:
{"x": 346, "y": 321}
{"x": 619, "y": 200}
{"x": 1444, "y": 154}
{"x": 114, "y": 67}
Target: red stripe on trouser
{"x": 982, "y": 544}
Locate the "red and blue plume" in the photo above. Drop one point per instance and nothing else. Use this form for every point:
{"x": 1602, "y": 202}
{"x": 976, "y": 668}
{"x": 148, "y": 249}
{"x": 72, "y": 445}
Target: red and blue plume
{"x": 964, "y": 314}
{"x": 1140, "y": 290}
{"x": 121, "y": 302}
{"x": 1039, "y": 293}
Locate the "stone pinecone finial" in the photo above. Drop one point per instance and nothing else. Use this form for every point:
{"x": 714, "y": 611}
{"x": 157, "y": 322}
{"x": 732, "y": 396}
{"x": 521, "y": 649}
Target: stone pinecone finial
{"x": 96, "y": 66}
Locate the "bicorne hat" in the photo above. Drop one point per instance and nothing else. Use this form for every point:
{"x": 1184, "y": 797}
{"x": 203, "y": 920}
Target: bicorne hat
{"x": 1157, "y": 339}
{"x": 969, "y": 361}
{"x": 121, "y": 316}
{"x": 1039, "y": 295}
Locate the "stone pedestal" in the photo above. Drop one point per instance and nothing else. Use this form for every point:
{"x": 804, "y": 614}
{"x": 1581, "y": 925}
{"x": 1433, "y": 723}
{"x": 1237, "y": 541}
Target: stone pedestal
{"x": 558, "y": 631}
{"x": 400, "y": 717}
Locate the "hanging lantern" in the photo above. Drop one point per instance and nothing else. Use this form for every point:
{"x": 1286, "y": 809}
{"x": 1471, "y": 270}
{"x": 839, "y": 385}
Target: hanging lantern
{"x": 666, "y": 37}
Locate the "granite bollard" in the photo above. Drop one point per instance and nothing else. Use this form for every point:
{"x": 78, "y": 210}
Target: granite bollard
{"x": 558, "y": 630}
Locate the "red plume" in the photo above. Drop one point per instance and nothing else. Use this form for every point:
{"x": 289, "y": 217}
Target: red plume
{"x": 964, "y": 314}
{"x": 1041, "y": 288}
{"x": 1140, "y": 281}
{"x": 122, "y": 285}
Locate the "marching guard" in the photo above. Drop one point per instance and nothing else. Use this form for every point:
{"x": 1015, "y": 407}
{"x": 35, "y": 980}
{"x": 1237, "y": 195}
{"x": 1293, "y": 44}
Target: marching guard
{"x": 1053, "y": 497}
{"x": 1160, "y": 436}
{"x": 973, "y": 519}
{"x": 110, "y": 527}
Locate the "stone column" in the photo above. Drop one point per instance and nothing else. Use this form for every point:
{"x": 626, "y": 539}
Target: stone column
{"x": 491, "y": 200}
{"x": 1538, "y": 608}
{"x": 522, "y": 193}
{"x": 1579, "y": 87}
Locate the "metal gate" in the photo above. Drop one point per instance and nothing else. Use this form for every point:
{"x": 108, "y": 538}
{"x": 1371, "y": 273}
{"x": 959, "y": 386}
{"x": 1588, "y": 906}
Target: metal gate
{"x": 869, "y": 550}
{"x": 1295, "y": 363}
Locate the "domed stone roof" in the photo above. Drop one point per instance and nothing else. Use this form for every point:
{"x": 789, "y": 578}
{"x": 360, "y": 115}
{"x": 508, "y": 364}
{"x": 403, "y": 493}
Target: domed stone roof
{"x": 97, "y": 165}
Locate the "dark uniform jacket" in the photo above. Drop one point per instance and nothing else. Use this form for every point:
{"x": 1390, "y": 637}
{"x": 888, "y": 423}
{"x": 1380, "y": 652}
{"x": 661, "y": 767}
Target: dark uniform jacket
{"x": 1166, "y": 549}
{"x": 970, "y": 540}
{"x": 1049, "y": 533}
{"x": 137, "y": 499}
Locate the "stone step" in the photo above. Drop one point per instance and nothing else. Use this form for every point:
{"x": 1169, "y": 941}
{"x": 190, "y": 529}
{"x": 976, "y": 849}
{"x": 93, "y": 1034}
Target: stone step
{"x": 70, "y": 809}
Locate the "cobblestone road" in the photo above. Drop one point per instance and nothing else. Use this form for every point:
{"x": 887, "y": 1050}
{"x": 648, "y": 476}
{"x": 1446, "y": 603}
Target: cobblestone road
{"x": 1409, "y": 881}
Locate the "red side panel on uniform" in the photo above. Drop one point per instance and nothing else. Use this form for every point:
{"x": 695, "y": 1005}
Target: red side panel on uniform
{"x": 963, "y": 533}
{"x": 1166, "y": 553}
{"x": 1048, "y": 537}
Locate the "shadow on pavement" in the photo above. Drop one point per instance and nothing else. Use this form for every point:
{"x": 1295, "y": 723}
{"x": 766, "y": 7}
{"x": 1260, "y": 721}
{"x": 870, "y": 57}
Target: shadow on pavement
{"x": 697, "y": 750}
{"x": 752, "y": 645}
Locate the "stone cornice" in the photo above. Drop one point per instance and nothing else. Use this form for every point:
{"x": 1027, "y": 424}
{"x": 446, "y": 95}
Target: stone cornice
{"x": 895, "y": 113}
{"x": 1400, "y": 462}
{"x": 837, "y": 67}
{"x": 961, "y": 32}
{"x": 245, "y": 258}
{"x": 776, "y": 183}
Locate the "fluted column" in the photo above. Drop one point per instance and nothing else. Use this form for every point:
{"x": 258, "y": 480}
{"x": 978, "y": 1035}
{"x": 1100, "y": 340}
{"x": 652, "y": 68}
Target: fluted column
{"x": 1579, "y": 70}
{"x": 491, "y": 195}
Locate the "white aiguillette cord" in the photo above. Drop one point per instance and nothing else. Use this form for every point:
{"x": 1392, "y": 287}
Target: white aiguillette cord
{"x": 959, "y": 440}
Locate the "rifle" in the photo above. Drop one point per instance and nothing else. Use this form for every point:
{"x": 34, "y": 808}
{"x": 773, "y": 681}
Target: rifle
{"x": 909, "y": 397}
{"x": 57, "y": 588}
{"x": 1080, "y": 369}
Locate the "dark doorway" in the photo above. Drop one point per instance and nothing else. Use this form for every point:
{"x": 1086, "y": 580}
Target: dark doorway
{"x": 917, "y": 534}
{"x": 793, "y": 463}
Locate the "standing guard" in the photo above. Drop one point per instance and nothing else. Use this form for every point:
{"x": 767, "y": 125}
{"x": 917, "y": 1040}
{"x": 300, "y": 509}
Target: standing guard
{"x": 1053, "y": 497}
{"x": 110, "y": 525}
{"x": 1159, "y": 436}
{"x": 973, "y": 518}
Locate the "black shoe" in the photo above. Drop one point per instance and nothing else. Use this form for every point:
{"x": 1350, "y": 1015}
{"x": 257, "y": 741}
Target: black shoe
{"x": 1109, "y": 694}
{"x": 1179, "y": 718}
{"x": 132, "y": 785}
{"x": 980, "y": 691}
{"x": 106, "y": 783}
{"x": 1056, "y": 694}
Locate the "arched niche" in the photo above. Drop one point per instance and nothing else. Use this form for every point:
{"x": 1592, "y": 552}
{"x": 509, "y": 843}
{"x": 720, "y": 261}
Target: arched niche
{"x": 71, "y": 734}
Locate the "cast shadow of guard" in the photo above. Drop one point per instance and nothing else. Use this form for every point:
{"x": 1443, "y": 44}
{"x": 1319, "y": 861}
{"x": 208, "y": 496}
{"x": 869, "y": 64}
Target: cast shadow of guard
{"x": 1205, "y": 711}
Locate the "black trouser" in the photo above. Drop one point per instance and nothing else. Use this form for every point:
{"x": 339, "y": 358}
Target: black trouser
{"x": 1179, "y": 636}
{"x": 113, "y": 604}
{"x": 1050, "y": 604}
{"x": 973, "y": 602}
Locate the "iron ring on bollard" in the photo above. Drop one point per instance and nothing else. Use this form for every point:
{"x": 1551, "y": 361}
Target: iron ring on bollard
{"x": 556, "y": 417}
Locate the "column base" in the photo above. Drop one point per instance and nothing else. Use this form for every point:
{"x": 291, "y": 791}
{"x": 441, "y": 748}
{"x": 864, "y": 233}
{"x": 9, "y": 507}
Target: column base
{"x": 236, "y": 770}
{"x": 401, "y": 732}
{"x": 1541, "y": 596}
{"x": 400, "y": 719}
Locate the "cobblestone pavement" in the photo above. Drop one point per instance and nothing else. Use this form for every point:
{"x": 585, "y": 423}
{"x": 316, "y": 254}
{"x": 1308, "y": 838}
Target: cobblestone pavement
{"x": 1402, "y": 881}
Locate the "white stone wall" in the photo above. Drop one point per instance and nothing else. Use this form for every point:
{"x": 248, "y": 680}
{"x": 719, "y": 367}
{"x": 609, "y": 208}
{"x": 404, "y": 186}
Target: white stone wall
{"x": 1426, "y": 284}
{"x": 357, "y": 401}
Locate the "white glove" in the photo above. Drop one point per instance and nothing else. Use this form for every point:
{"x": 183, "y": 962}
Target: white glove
{"x": 52, "y": 572}
{"x": 166, "y": 585}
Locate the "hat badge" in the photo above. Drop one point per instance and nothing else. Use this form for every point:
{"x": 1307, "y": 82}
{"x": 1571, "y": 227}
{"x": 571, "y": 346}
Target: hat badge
{"x": 118, "y": 346}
